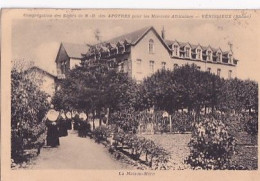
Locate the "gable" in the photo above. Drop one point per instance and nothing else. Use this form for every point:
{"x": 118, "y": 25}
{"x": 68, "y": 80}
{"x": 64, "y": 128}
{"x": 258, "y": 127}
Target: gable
{"x": 62, "y": 54}
{"x": 141, "y": 49}
{"x": 158, "y": 37}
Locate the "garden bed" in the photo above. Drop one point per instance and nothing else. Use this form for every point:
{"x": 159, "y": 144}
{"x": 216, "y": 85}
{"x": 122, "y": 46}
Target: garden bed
{"x": 176, "y": 144}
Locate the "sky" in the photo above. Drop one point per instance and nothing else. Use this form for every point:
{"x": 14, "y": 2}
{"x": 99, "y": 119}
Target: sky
{"x": 38, "y": 41}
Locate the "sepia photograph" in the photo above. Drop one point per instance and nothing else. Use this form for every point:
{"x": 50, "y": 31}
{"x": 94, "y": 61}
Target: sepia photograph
{"x": 144, "y": 91}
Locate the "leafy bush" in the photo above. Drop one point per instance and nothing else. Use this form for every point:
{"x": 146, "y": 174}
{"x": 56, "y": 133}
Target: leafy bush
{"x": 155, "y": 156}
{"x": 125, "y": 119}
{"x": 211, "y": 145}
{"x": 28, "y": 107}
{"x": 181, "y": 122}
{"x": 101, "y": 133}
{"x": 251, "y": 124}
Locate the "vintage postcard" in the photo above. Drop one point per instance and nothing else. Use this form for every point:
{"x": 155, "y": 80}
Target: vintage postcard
{"x": 124, "y": 94}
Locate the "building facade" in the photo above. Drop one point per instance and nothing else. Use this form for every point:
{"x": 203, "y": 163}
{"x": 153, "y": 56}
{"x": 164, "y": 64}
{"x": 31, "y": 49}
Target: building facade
{"x": 145, "y": 51}
{"x": 45, "y": 80}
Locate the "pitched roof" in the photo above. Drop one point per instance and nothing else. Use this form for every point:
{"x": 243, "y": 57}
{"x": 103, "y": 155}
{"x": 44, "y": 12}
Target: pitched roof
{"x": 182, "y": 44}
{"x": 75, "y": 50}
{"x": 132, "y": 37}
{"x": 40, "y": 70}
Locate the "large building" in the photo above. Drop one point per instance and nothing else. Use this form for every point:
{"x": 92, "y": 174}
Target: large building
{"x": 143, "y": 52}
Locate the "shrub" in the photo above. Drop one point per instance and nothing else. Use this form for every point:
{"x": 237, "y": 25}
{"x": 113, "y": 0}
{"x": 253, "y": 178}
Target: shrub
{"x": 125, "y": 119}
{"x": 101, "y": 133}
{"x": 28, "y": 107}
{"x": 156, "y": 157}
{"x": 181, "y": 122}
{"x": 211, "y": 145}
{"x": 251, "y": 124}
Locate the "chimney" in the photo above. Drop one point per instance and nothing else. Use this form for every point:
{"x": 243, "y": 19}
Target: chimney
{"x": 163, "y": 33}
{"x": 230, "y": 46}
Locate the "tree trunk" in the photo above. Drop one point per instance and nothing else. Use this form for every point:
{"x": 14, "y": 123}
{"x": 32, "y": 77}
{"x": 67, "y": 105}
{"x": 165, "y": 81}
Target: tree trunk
{"x": 107, "y": 116}
{"x": 93, "y": 119}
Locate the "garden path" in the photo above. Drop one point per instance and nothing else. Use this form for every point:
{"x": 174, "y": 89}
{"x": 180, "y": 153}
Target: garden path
{"x": 77, "y": 153}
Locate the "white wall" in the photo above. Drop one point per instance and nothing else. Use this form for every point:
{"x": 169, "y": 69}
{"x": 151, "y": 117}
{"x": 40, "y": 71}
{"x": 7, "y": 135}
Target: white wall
{"x": 141, "y": 51}
{"x": 74, "y": 62}
{"x": 45, "y": 82}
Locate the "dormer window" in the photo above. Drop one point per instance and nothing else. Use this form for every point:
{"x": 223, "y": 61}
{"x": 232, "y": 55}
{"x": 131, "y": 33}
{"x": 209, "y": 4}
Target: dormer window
{"x": 219, "y": 57}
{"x": 187, "y": 52}
{"x": 209, "y": 56}
{"x": 151, "y": 46}
{"x": 230, "y": 58}
{"x": 175, "y": 50}
{"x": 199, "y": 55}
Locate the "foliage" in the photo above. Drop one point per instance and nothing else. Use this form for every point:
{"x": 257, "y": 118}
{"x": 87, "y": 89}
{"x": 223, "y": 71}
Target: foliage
{"x": 101, "y": 133}
{"x": 251, "y": 124}
{"x": 211, "y": 145}
{"x": 188, "y": 88}
{"x": 182, "y": 122}
{"x": 95, "y": 89}
{"x": 185, "y": 87}
{"x": 155, "y": 156}
{"x": 125, "y": 120}
{"x": 28, "y": 107}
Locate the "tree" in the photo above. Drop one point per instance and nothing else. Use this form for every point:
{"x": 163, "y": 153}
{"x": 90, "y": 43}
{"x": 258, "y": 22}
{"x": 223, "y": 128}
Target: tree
{"x": 96, "y": 88}
{"x": 185, "y": 87}
{"x": 28, "y": 107}
{"x": 159, "y": 90}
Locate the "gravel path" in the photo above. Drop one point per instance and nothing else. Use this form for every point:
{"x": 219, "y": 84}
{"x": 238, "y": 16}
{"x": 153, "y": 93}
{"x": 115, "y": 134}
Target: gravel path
{"x": 77, "y": 153}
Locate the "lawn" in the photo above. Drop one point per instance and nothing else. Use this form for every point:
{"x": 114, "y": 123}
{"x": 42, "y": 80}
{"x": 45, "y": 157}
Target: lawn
{"x": 246, "y": 157}
{"x": 176, "y": 144}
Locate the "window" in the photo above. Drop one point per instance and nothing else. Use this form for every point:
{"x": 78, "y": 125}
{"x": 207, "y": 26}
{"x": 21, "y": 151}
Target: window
{"x": 175, "y": 50}
{"x": 219, "y": 57}
{"x": 63, "y": 65}
{"x": 151, "y": 46}
{"x": 139, "y": 66}
{"x": 218, "y": 72}
{"x": 209, "y": 55}
{"x": 163, "y": 65}
{"x": 209, "y": 69}
{"x": 175, "y": 66}
{"x": 187, "y": 52}
{"x": 230, "y": 74}
{"x": 151, "y": 66}
{"x": 199, "y": 54}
